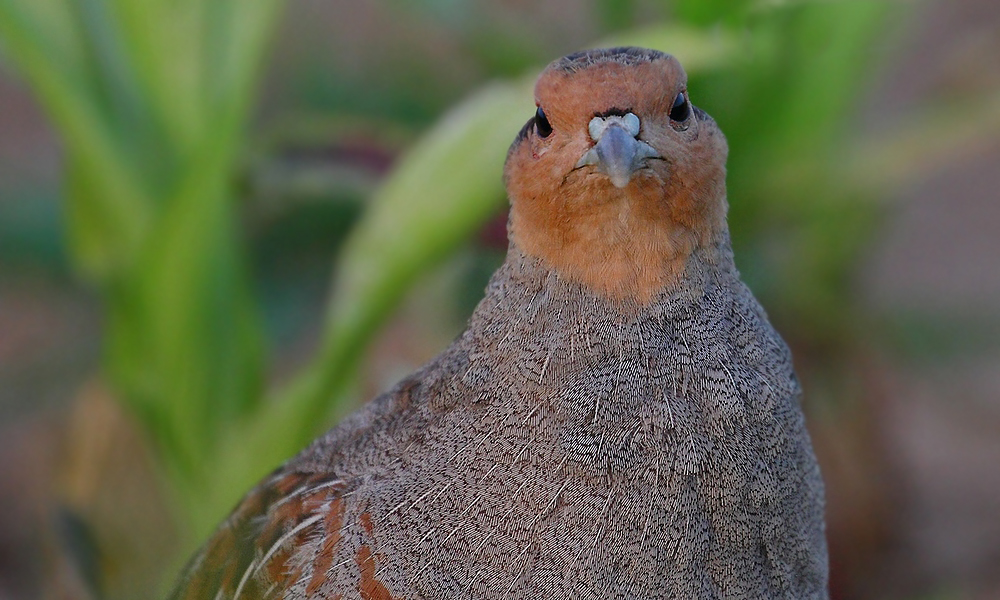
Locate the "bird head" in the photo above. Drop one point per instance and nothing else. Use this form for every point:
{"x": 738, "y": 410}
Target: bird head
{"x": 617, "y": 179}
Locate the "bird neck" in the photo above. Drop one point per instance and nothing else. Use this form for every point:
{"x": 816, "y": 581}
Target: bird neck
{"x": 626, "y": 249}
{"x": 525, "y": 280}
{"x": 538, "y": 301}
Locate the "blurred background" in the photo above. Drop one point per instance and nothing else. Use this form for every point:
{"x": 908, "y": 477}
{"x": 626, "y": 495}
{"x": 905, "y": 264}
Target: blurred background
{"x": 226, "y": 223}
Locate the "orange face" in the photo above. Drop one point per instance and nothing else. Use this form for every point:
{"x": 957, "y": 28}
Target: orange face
{"x": 617, "y": 179}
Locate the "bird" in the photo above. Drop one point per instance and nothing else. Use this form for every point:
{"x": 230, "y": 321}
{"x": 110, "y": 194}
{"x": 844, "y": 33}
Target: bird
{"x": 619, "y": 419}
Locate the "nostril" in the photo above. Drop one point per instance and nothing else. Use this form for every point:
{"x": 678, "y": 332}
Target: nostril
{"x": 631, "y": 123}
{"x": 596, "y": 128}
{"x": 598, "y": 125}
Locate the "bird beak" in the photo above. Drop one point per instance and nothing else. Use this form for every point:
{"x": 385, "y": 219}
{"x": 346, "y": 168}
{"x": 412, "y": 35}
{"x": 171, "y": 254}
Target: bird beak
{"x": 617, "y": 152}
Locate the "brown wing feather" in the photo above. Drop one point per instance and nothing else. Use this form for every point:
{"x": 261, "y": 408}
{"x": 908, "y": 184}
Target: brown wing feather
{"x": 248, "y": 557}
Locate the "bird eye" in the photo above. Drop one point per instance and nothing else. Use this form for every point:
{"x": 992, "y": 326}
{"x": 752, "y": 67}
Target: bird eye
{"x": 542, "y": 125}
{"x": 681, "y": 110}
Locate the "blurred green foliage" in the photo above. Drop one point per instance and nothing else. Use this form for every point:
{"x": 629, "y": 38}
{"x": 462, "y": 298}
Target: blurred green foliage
{"x": 799, "y": 216}
{"x": 152, "y": 98}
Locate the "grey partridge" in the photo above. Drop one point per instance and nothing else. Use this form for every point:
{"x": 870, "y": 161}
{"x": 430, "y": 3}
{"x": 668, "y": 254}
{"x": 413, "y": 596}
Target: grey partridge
{"x": 619, "y": 419}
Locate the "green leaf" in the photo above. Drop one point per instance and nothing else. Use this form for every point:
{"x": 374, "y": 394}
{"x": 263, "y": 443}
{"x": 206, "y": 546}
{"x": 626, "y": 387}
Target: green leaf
{"x": 446, "y": 186}
{"x": 109, "y": 200}
{"x": 698, "y": 50}
{"x": 151, "y": 97}
{"x": 708, "y": 12}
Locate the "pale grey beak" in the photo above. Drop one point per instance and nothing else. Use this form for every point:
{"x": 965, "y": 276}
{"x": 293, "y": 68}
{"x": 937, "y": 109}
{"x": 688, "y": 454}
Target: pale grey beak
{"x": 617, "y": 153}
